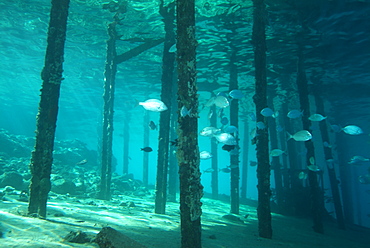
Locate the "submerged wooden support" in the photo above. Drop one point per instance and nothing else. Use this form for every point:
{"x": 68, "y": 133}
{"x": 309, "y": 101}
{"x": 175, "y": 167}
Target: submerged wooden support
{"x": 168, "y": 65}
{"x": 214, "y": 151}
{"x": 146, "y": 143}
{"x": 172, "y": 165}
{"x": 260, "y": 99}
{"x": 275, "y": 161}
{"x": 126, "y": 142}
{"x": 234, "y": 121}
{"x": 191, "y": 190}
{"x": 316, "y": 193}
{"x": 42, "y": 156}
{"x": 108, "y": 97}
{"x": 330, "y": 164}
{"x": 244, "y": 177}
{"x": 137, "y": 50}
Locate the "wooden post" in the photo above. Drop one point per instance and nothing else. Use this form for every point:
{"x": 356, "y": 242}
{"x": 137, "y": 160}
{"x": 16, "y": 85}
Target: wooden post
{"x": 234, "y": 120}
{"x": 108, "y": 96}
{"x": 191, "y": 190}
{"x": 316, "y": 199}
{"x": 260, "y": 99}
{"x": 168, "y": 64}
{"x": 42, "y": 156}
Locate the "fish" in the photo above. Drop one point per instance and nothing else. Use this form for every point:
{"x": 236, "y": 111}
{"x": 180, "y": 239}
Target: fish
{"x": 252, "y": 163}
{"x": 82, "y": 162}
{"x": 184, "y": 112}
{"x": 312, "y": 160}
{"x": 357, "y": 160}
{"x": 172, "y": 49}
{"x": 152, "y": 125}
{"x": 220, "y": 113}
{"x": 210, "y": 114}
{"x": 228, "y": 147}
{"x": 224, "y": 120}
{"x": 253, "y": 133}
{"x": 231, "y": 129}
{"x": 352, "y": 130}
{"x": 316, "y": 117}
{"x": 276, "y": 152}
{"x": 252, "y": 116}
{"x": 279, "y": 128}
{"x": 222, "y": 93}
{"x": 260, "y": 125}
{"x": 205, "y": 155}
{"x": 210, "y": 102}
{"x": 302, "y": 175}
{"x": 209, "y": 170}
{"x": 327, "y": 144}
{"x": 364, "y": 179}
{"x": 221, "y": 101}
{"x": 236, "y": 94}
{"x": 209, "y": 131}
{"x": 154, "y": 105}
{"x": 267, "y": 112}
{"x": 336, "y": 128}
{"x": 175, "y": 142}
{"x": 313, "y": 167}
{"x": 295, "y": 113}
{"x": 232, "y": 166}
{"x": 226, "y": 138}
{"x": 225, "y": 170}
{"x": 147, "y": 149}
{"x": 302, "y": 135}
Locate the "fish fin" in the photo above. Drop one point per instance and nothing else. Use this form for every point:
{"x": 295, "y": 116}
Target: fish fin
{"x": 137, "y": 103}
{"x": 289, "y": 135}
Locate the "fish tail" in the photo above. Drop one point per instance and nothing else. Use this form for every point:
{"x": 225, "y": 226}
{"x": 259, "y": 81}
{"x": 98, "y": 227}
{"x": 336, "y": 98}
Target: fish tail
{"x": 289, "y": 136}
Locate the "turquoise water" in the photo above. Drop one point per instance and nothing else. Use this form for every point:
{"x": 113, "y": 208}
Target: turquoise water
{"x": 334, "y": 37}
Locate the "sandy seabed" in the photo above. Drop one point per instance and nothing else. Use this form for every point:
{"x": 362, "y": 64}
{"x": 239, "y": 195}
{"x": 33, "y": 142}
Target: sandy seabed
{"x": 137, "y": 220}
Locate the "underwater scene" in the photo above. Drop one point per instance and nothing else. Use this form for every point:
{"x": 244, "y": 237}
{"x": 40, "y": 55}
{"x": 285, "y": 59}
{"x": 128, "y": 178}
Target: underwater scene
{"x": 186, "y": 123}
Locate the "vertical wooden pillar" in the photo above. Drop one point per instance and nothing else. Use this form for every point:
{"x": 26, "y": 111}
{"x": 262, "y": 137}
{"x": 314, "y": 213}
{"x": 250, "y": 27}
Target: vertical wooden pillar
{"x": 191, "y": 189}
{"x": 260, "y": 99}
{"x": 234, "y": 121}
{"x": 108, "y": 96}
{"x": 42, "y": 156}
{"x": 146, "y": 143}
{"x": 316, "y": 198}
{"x": 168, "y": 64}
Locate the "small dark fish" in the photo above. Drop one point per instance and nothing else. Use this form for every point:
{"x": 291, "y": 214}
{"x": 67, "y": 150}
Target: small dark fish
{"x": 220, "y": 113}
{"x": 82, "y": 162}
{"x": 152, "y": 126}
{"x": 175, "y": 142}
{"x": 225, "y": 170}
{"x": 252, "y": 163}
{"x": 147, "y": 149}
{"x": 209, "y": 170}
{"x": 228, "y": 147}
{"x": 224, "y": 120}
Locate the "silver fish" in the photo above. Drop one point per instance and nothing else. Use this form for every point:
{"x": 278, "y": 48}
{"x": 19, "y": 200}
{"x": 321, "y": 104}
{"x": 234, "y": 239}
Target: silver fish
{"x": 205, "y": 155}
{"x": 316, "y": 117}
{"x": 302, "y": 135}
{"x": 276, "y": 152}
{"x": 221, "y": 102}
{"x": 209, "y": 131}
{"x": 295, "y": 113}
{"x": 226, "y": 138}
{"x": 352, "y": 130}
{"x": 267, "y": 112}
{"x": 236, "y": 94}
{"x": 154, "y": 105}
{"x": 184, "y": 111}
